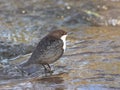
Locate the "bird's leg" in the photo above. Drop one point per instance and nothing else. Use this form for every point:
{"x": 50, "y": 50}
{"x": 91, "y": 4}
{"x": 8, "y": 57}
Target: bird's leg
{"x": 45, "y": 69}
{"x": 49, "y": 69}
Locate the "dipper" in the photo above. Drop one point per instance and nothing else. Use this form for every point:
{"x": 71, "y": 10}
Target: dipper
{"x": 48, "y": 50}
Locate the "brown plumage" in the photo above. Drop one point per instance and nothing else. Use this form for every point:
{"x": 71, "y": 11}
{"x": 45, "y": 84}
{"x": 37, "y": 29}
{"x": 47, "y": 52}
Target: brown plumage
{"x": 48, "y": 50}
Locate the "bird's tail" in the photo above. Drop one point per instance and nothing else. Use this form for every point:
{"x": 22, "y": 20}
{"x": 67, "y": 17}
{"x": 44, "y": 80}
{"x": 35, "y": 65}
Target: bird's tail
{"x": 23, "y": 68}
{"x": 24, "y": 64}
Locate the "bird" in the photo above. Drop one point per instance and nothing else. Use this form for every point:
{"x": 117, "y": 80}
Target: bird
{"x": 49, "y": 50}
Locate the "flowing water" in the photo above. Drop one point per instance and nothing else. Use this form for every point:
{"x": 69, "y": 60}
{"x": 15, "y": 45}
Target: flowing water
{"x": 92, "y": 57}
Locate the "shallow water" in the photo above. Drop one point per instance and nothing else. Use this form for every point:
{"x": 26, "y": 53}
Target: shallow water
{"x": 91, "y": 61}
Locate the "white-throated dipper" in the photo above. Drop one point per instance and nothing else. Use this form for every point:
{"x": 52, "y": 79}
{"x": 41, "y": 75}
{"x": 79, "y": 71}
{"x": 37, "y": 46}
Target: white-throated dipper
{"x": 48, "y": 50}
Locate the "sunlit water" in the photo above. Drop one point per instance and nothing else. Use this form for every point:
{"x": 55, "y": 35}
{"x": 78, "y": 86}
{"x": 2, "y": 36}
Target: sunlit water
{"x": 91, "y": 60}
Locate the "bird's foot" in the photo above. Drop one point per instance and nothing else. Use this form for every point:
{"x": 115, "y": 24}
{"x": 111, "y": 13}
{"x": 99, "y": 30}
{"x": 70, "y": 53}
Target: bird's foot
{"x": 51, "y": 72}
{"x": 48, "y": 71}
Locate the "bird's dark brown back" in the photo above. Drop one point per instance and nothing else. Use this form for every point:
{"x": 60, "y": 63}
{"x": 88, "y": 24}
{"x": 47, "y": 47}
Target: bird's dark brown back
{"x": 48, "y": 50}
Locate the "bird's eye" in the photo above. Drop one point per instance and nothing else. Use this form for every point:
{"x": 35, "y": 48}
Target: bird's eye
{"x": 63, "y": 34}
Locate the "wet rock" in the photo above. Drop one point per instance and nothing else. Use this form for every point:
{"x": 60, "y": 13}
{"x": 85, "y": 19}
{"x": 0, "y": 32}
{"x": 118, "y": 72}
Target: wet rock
{"x": 103, "y": 13}
{"x": 75, "y": 19}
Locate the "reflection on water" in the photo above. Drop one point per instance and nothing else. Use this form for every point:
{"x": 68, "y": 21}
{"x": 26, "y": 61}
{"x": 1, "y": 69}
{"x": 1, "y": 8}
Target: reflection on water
{"x": 45, "y": 83}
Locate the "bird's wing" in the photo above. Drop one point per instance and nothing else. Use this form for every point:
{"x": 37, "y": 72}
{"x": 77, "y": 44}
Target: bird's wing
{"x": 47, "y": 48}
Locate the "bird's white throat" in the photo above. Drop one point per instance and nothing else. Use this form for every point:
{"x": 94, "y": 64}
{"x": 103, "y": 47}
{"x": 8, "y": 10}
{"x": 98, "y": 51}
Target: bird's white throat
{"x": 63, "y": 38}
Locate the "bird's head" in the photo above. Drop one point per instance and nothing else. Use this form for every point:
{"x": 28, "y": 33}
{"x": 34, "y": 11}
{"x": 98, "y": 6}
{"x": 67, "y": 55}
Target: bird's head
{"x": 60, "y": 34}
